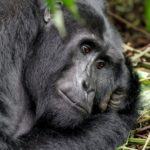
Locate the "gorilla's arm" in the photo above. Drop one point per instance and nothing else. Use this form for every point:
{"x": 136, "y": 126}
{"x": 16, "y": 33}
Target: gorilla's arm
{"x": 103, "y": 132}
{"x": 16, "y": 36}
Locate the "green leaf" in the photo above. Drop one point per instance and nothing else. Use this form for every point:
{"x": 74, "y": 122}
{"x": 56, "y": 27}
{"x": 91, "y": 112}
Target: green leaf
{"x": 146, "y": 82}
{"x": 72, "y": 7}
{"x": 51, "y": 5}
{"x": 57, "y": 14}
{"x": 59, "y": 22}
{"x": 147, "y": 14}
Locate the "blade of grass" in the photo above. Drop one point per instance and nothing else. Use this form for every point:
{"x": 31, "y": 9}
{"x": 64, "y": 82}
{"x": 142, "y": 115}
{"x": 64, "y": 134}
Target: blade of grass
{"x": 138, "y": 141}
{"x": 126, "y": 148}
{"x": 147, "y": 14}
{"x": 146, "y": 143}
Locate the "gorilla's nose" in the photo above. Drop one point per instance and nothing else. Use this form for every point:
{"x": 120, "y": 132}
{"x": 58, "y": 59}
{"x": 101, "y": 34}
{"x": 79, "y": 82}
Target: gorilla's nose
{"x": 88, "y": 85}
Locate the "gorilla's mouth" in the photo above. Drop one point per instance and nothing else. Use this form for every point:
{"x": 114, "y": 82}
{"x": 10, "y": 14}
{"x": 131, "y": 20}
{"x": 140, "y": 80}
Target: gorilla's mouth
{"x": 76, "y": 105}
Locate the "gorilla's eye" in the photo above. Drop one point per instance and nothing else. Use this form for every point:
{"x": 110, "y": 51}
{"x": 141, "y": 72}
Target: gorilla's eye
{"x": 100, "y": 64}
{"x": 86, "y": 49}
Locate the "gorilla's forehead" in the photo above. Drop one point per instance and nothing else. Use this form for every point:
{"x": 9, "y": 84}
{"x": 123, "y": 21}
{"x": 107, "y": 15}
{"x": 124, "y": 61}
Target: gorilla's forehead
{"x": 92, "y": 14}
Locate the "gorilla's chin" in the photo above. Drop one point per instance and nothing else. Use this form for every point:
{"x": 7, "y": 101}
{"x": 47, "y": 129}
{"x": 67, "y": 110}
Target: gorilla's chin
{"x": 66, "y": 113}
{"x": 78, "y": 106}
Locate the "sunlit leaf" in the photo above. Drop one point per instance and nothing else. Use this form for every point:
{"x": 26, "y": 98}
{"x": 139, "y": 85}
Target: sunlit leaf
{"x": 51, "y": 5}
{"x": 59, "y": 22}
{"x": 57, "y": 14}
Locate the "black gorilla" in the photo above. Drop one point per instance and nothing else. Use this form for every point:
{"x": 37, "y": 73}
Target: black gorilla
{"x": 73, "y": 93}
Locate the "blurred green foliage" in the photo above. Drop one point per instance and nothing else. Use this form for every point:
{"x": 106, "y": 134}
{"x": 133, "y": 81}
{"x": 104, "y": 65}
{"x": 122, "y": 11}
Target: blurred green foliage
{"x": 124, "y": 6}
{"x": 55, "y": 9}
{"x": 147, "y": 14}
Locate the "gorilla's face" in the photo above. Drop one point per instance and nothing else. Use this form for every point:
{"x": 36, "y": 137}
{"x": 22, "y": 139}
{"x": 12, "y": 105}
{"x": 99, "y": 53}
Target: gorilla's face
{"x": 68, "y": 76}
{"x": 88, "y": 79}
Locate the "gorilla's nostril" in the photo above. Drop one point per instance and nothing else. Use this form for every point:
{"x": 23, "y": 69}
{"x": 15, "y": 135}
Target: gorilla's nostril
{"x": 85, "y": 85}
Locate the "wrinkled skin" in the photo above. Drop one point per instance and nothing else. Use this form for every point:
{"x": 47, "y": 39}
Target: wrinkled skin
{"x": 63, "y": 93}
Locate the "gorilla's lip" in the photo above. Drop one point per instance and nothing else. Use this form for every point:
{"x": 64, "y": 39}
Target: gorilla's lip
{"x": 74, "y": 104}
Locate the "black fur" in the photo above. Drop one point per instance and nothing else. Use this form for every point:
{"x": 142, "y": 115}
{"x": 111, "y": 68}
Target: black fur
{"x": 33, "y": 58}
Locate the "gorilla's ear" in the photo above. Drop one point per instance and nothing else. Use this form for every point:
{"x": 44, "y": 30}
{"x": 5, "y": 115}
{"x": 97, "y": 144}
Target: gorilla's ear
{"x": 44, "y": 10}
{"x": 47, "y": 15}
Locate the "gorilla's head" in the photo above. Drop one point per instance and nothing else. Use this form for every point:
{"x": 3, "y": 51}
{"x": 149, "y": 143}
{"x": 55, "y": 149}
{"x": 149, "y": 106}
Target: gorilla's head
{"x": 68, "y": 77}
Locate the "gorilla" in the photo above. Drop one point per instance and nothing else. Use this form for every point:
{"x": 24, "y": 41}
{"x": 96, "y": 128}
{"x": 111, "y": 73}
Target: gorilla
{"x": 77, "y": 92}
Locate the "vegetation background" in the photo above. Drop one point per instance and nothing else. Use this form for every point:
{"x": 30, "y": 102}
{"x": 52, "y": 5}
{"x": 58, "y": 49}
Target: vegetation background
{"x": 132, "y": 18}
